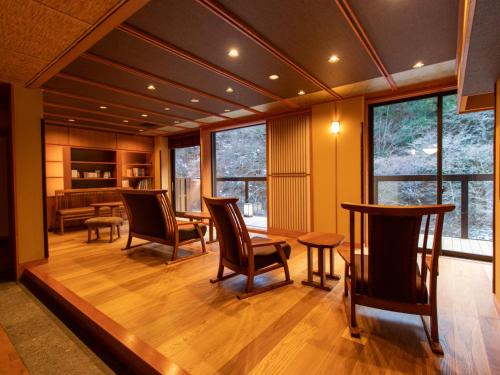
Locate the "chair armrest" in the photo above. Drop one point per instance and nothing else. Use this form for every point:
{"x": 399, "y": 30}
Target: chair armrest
{"x": 181, "y": 223}
{"x": 270, "y": 242}
{"x": 428, "y": 262}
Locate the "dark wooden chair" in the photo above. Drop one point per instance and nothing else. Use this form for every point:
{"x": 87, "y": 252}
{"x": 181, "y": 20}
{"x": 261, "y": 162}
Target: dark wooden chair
{"x": 152, "y": 218}
{"x": 242, "y": 254}
{"x": 386, "y": 275}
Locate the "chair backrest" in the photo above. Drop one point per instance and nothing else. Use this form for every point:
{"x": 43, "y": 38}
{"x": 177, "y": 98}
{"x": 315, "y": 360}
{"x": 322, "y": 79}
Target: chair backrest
{"x": 393, "y": 239}
{"x": 232, "y": 233}
{"x": 150, "y": 213}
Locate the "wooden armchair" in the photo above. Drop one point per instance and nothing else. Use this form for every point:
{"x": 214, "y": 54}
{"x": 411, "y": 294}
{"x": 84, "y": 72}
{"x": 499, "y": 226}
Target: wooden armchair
{"x": 152, "y": 218}
{"x": 387, "y": 275}
{"x": 242, "y": 254}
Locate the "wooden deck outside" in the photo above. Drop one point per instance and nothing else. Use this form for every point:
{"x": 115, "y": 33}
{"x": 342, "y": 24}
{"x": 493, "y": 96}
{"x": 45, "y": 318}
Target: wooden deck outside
{"x": 461, "y": 245}
{"x": 293, "y": 330}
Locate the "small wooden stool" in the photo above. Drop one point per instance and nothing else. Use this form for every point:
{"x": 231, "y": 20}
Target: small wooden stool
{"x": 102, "y": 222}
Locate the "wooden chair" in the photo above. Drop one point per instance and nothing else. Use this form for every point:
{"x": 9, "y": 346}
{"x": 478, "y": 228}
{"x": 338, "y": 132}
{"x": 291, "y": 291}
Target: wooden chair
{"x": 386, "y": 275}
{"x": 152, "y": 218}
{"x": 242, "y": 254}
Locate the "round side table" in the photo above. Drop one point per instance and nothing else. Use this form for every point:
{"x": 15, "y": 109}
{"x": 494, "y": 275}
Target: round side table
{"x": 321, "y": 241}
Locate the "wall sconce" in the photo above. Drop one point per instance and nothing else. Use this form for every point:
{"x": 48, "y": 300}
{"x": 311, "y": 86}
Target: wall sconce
{"x": 335, "y": 127}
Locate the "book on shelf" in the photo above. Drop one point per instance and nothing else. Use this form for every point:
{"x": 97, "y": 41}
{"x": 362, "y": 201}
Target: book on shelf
{"x": 75, "y": 173}
{"x": 136, "y": 172}
{"x": 125, "y": 184}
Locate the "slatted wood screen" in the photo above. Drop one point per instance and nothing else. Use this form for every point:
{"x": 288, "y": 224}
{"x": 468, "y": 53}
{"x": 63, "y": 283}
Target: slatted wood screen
{"x": 289, "y": 167}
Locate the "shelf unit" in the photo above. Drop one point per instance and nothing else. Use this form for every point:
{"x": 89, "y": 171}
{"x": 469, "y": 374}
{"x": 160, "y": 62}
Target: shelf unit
{"x": 91, "y": 165}
{"x": 137, "y": 169}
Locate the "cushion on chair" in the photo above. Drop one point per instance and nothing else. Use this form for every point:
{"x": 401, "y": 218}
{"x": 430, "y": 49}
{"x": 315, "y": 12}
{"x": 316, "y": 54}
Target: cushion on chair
{"x": 189, "y": 232}
{"x": 266, "y": 255}
{"x": 103, "y": 221}
{"x": 363, "y": 288}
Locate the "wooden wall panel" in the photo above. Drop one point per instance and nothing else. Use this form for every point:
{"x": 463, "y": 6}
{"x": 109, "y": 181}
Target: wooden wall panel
{"x": 289, "y": 174}
{"x": 56, "y": 135}
{"x": 134, "y": 142}
{"x": 92, "y": 138}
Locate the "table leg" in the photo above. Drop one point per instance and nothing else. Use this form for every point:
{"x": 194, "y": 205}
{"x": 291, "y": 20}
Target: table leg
{"x": 321, "y": 266}
{"x": 210, "y": 230}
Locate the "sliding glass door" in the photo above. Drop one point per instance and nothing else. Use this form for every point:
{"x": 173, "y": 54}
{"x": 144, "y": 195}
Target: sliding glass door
{"x": 423, "y": 152}
{"x": 186, "y": 179}
{"x": 239, "y": 170}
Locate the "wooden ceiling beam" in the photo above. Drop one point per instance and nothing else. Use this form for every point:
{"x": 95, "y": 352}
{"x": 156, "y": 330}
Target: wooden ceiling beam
{"x": 93, "y": 120}
{"x": 135, "y": 94}
{"x": 162, "y": 80}
{"x": 170, "y": 48}
{"x": 360, "y": 33}
{"x": 105, "y": 113}
{"x": 253, "y": 35}
{"x": 85, "y": 126}
{"x": 122, "y": 106}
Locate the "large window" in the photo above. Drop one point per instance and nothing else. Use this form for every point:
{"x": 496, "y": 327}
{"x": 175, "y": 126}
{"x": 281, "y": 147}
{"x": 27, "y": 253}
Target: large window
{"x": 239, "y": 157}
{"x": 186, "y": 170}
{"x": 424, "y": 152}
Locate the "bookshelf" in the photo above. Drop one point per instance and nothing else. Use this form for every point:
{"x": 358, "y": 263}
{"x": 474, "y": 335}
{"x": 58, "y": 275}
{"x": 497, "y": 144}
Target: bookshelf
{"x": 93, "y": 168}
{"x": 137, "y": 169}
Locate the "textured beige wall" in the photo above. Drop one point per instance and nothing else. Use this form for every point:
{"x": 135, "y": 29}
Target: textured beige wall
{"x": 27, "y": 112}
{"x": 497, "y": 191}
{"x": 336, "y": 175}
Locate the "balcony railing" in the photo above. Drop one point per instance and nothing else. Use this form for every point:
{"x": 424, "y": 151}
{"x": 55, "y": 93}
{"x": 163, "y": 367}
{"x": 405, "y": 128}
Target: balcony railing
{"x": 245, "y": 180}
{"x": 463, "y": 179}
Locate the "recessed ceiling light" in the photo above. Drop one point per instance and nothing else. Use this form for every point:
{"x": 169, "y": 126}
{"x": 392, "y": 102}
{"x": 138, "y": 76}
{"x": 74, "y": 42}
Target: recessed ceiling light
{"x": 418, "y": 64}
{"x": 229, "y": 90}
{"x": 176, "y": 122}
{"x": 233, "y": 52}
{"x": 124, "y": 120}
{"x": 71, "y": 120}
{"x": 333, "y": 59}
{"x": 301, "y": 92}
{"x": 103, "y": 107}
{"x": 194, "y": 100}
{"x": 151, "y": 87}
{"x": 144, "y": 115}
{"x": 141, "y": 130}
{"x": 227, "y": 110}
{"x": 274, "y": 77}
{"x": 166, "y": 109}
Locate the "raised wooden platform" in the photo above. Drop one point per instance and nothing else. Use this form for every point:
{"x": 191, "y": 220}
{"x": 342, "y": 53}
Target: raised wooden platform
{"x": 203, "y": 329}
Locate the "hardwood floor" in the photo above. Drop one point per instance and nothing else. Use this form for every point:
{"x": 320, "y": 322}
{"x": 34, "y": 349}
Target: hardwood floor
{"x": 292, "y": 330}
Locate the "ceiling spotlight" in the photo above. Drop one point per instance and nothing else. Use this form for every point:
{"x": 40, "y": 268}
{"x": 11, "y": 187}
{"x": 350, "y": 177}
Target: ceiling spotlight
{"x": 144, "y": 115}
{"x": 274, "y": 77}
{"x": 151, "y": 87}
{"x": 194, "y": 100}
{"x": 229, "y": 90}
{"x": 301, "y": 92}
{"x": 333, "y": 59}
{"x": 166, "y": 109}
{"x": 233, "y": 52}
{"x": 227, "y": 110}
{"x": 176, "y": 122}
{"x": 141, "y": 130}
{"x": 103, "y": 107}
{"x": 418, "y": 64}
{"x": 71, "y": 120}
{"x": 124, "y": 120}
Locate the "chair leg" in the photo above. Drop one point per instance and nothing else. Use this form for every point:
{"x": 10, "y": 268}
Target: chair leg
{"x": 249, "y": 286}
{"x": 346, "y": 273}
{"x": 129, "y": 242}
{"x": 89, "y": 234}
{"x": 118, "y": 231}
{"x": 174, "y": 253}
{"x": 433, "y": 335}
{"x": 111, "y": 233}
{"x": 61, "y": 223}
{"x": 97, "y": 233}
{"x": 283, "y": 261}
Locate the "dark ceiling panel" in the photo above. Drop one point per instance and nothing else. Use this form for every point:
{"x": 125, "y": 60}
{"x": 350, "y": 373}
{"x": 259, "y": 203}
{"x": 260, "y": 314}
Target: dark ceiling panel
{"x": 483, "y": 58}
{"x": 84, "y": 124}
{"x": 65, "y": 85}
{"x": 192, "y": 27}
{"x": 111, "y": 76}
{"x": 121, "y": 47}
{"x": 405, "y": 32}
{"x": 309, "y": 32}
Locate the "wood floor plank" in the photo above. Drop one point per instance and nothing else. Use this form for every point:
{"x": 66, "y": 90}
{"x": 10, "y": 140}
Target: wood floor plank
{"x": 204, "y": 329}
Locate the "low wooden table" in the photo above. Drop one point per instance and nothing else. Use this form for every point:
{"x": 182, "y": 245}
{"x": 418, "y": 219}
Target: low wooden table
{"x": 321, "y": 241}
{"x": 111, "y": 205}
{"x": 202, "y": 216}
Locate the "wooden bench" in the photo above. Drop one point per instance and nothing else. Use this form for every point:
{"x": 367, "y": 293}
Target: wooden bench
{"x": 74, "y": 204}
